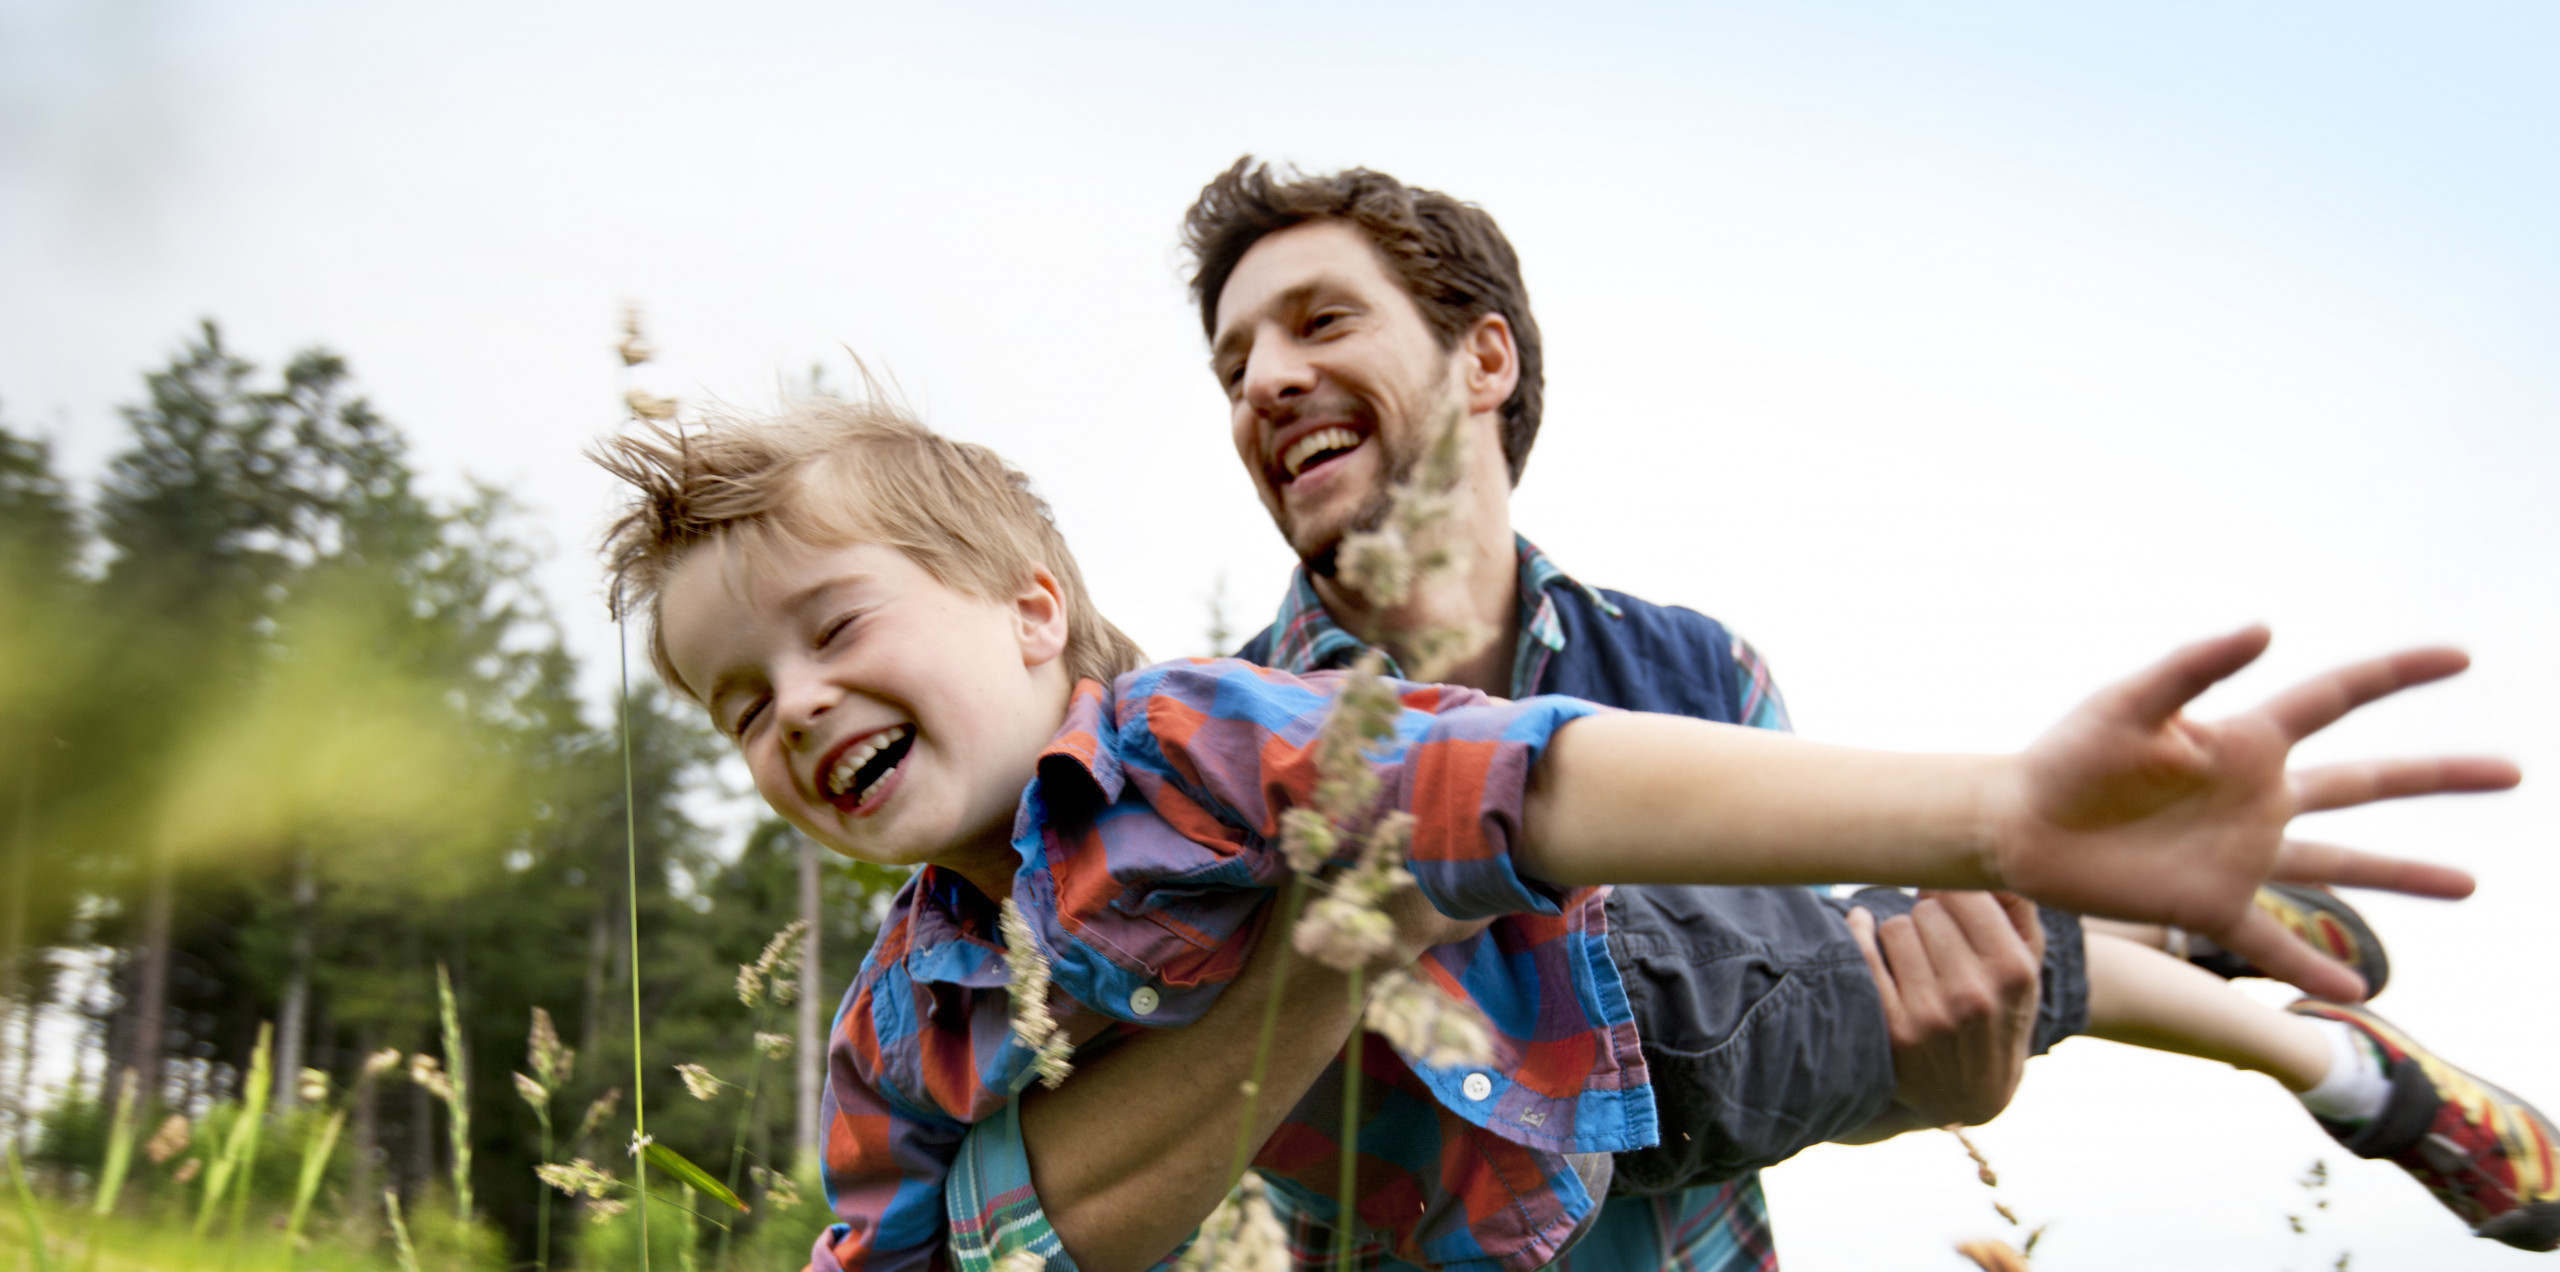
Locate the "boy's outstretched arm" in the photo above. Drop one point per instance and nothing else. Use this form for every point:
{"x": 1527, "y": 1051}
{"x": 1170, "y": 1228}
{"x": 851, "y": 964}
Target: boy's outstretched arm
{"x": 2126, "y": 809}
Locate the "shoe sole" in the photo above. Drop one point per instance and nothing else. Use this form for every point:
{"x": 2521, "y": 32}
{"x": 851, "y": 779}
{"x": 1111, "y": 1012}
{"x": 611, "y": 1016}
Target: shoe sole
{"x": 2535, "y": 1227}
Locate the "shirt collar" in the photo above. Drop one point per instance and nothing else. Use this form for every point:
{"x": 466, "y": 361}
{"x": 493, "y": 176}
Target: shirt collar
{"x": 951, "y": 933}
{"x": 1305, "y": 638}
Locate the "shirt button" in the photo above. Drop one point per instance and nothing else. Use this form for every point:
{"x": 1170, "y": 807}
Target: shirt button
{"x": 1143, "y": 1002}
{"x": 1477, "y": 1086}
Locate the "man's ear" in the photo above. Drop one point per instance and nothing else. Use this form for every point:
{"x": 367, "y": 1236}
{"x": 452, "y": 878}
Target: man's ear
{"x": 1490, "y": 362}
{"x": 1040, "y": 618}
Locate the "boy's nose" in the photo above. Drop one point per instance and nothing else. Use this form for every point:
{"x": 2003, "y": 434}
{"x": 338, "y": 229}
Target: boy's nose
{"x": 800, "y": 701}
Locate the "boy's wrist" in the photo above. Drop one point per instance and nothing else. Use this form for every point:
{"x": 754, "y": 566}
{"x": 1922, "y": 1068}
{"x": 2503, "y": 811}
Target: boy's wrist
{"x": 1996, "y": 827}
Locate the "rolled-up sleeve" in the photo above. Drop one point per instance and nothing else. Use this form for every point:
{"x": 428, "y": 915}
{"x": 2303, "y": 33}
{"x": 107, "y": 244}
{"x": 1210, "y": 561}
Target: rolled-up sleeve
{"x": 1228, "y": 742}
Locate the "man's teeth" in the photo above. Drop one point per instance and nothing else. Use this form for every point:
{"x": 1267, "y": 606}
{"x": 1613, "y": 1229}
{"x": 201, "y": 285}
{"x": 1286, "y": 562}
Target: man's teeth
{"x": 1314, "y": 444}
{"x": 840, "y": 778}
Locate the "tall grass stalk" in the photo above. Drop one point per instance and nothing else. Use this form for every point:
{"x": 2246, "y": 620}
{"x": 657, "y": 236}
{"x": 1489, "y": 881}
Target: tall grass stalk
{"x": 33, "y": 1220}
{"x": 399, "y": 1232}
{"x": 316, "y": 1149}
{"x": 457, "y": 1069}
{"x": 240, "y": 1148}
{"x": 1358, "y": 854}
{"x": 552, "y": 1064}
{"x": 631, "y": 864}
{"x": 1270, "y": 1026}
{"x": 120, "y": 1135}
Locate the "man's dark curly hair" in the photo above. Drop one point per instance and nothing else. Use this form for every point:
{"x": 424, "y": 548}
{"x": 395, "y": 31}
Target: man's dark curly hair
{"x": 1450, "y": 256}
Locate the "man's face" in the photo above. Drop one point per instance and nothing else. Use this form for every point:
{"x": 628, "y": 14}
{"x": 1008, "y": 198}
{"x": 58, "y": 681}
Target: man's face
{"x": 891, "y": 717}
{"x": 1332, "y": 380}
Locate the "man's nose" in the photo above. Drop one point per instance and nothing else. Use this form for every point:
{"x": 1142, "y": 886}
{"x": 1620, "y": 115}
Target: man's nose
{"x": 1274, "y": 372}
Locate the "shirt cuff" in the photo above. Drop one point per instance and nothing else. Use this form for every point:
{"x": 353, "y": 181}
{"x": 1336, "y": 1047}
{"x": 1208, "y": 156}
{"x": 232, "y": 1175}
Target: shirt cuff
{"x": 1469, "y": 775}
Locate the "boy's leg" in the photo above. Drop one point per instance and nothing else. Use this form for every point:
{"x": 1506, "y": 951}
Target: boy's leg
{"x": 1763, "y": 1029}
{"x": 2144, "y": 998}
{"x": 2488, "y": 1156}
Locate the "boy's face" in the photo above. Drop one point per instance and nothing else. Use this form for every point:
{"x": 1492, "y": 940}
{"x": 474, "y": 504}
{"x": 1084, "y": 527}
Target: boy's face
{"x": 1332, "y": 379}
{"x": 892, "y": 718}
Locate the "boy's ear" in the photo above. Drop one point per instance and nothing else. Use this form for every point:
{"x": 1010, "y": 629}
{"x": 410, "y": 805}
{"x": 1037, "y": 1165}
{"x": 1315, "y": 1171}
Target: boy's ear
{"x": 1040, "y": 618}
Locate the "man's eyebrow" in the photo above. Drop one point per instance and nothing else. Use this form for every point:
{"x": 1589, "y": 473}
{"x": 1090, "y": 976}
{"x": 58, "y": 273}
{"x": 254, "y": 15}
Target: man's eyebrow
{"x": 1234, "y": 336}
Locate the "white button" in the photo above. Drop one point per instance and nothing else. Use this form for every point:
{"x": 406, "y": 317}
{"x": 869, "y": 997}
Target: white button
{"x": 1143, "y": 1002}
{"x": 1477, "y": 1086}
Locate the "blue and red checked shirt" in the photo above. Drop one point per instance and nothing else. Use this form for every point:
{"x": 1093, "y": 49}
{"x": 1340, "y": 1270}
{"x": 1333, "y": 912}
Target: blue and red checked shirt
{"x": 1149, "y": 845}
{"x": 1614, "y": 649}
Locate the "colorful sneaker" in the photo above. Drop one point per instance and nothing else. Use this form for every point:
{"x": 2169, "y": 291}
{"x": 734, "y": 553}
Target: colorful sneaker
{"x": 2489, "y": 1157}
{"x": 2317, "y": 916}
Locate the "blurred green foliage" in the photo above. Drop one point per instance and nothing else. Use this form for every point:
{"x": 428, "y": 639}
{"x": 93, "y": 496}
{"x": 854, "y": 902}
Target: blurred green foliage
{"x": 279, "y": 733}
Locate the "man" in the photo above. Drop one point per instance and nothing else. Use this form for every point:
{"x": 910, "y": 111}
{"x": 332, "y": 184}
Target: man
{"x": 1347, "y": 315}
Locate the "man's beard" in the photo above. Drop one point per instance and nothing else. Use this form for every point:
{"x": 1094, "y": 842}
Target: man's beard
{"x": 1373, "y": 512}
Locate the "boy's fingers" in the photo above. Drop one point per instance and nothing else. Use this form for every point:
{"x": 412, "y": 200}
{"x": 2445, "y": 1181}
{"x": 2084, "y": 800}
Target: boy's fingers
{"x": 2317, "y": 703}
{"x": 2347, "y": 785}
{"x": 2280, "y": 954}
{"x": 2159, "y": 691}
{"x": 2302, "y": 861}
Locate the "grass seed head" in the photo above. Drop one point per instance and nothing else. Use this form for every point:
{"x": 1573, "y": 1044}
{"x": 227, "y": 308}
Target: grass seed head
{"x": 1425, "y": 1023}
{"x": 699, "y": 1082}
{"x": 551, "y": 1061}
{"x": 597, "y": 1112}
{"x": 170, "y": 1140}
{"x": 424, "y": 1071}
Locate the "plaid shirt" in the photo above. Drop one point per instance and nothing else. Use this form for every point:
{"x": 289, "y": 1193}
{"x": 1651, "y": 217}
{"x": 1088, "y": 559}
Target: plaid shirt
{"x": 1714, "y": 1229}
{"x": 1149, "y": 844}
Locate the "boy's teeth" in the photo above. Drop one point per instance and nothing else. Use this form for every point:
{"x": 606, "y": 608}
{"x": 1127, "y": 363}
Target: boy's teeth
{"x": 1316, "y": 443}
{"x": 850, "y": 766}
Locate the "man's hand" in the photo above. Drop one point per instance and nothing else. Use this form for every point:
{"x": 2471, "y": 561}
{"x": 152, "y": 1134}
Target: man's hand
{"x": 1959, "y": 980}
{"x": 1132, "y": 1153}
{"x": 2129, "y": 808}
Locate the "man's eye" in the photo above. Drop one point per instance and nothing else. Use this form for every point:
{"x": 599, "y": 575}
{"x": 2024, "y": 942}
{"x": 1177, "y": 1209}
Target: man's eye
{"x": 827, "y": 634}
{"x": 747, "y": 717}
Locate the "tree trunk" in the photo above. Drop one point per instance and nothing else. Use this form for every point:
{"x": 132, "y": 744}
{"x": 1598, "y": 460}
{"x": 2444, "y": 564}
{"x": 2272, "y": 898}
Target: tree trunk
{"x": 599, "y": 944}
{"x": 151, "y": 980}
{"x": 422, "y": 1146}
{"x": 292, "y": 1015}
{"x": 809, "y": 1054}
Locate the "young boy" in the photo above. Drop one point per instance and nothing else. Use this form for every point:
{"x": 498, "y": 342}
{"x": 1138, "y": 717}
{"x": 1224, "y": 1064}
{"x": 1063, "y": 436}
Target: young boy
{"x": 892, "y": 632}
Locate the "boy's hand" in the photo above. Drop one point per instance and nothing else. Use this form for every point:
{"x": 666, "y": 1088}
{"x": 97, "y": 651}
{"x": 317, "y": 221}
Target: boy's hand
{"x": 2128, "y": 808}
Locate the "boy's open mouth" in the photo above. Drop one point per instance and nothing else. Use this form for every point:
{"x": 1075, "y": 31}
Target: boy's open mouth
{"x": 865, "y": 767}
{"x": 1317, "y": 448}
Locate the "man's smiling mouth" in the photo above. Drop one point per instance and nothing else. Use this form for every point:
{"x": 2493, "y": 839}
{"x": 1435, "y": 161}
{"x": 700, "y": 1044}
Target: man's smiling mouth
{"x": 866, "y": 765}
{"x": 1315, "y": 448}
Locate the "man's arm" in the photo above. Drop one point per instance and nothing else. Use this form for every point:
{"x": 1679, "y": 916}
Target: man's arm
{"x": 2127, "y": 808}
{"x": 1131, "y": 1155}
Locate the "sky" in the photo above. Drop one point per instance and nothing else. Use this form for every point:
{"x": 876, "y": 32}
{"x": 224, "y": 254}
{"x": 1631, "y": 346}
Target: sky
{"x": 1963, "y": 356}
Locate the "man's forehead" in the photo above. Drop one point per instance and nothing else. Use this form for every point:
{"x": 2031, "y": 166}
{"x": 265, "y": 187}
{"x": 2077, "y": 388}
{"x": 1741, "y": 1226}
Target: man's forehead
{"x": 1288, "y": 267}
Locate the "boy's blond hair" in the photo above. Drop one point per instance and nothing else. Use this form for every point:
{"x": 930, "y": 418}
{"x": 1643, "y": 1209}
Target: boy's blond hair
{"x": 827, "y": 472}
